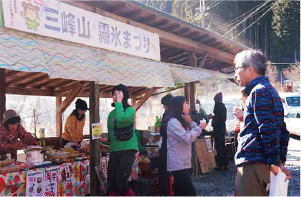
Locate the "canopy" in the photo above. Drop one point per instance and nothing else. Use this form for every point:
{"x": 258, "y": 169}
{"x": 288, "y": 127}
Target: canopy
{"x": 61, "y": 59}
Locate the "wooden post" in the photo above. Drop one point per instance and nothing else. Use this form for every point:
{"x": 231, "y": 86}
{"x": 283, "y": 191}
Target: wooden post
{"x": 2, "y": 93}
{"x": 186, "y": 91}
{"x": 133, "y": 103}
{"x": 59, "y": 119}
{"x": 94, "y": 144}
{"x": 195, "y": 162}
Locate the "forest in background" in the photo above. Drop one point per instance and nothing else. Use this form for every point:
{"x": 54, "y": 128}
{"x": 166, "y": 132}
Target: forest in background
{"x": 272, "y": 26}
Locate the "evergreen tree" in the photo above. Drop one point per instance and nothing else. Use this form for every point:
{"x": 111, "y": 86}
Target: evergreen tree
{"x": 286, "y": 32}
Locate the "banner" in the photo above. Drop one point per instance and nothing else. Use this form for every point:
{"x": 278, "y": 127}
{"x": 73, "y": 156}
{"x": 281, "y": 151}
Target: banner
{"x": 59, "y": 20}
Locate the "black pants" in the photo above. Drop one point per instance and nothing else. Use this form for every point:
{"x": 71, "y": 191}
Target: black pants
{"x": 119, "y": 170}
{"x": 220, "y": 146}
{"x": 163, "y": 175}
{"x": 182, "y": 183}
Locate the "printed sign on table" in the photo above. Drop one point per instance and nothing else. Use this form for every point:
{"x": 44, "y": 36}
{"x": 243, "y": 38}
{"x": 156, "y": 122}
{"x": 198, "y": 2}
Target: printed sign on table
{"x": 50, "y": 180}
{"x": 34, "y": 183}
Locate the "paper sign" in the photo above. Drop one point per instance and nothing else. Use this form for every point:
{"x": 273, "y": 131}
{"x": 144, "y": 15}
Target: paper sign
{"x": 34, "y": 183}
{"x": 208, "y": 145}
{"x": 50, "y": 181}
{"x": 97, "y": 130}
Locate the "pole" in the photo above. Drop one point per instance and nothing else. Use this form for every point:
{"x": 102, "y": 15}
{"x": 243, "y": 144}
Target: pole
{"x": 94, "y": 144}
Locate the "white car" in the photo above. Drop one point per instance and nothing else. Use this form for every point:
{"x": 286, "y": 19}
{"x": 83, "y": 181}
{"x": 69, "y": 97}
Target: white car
{"x": 293, "y": 123}
{"x": 290, "y": 101}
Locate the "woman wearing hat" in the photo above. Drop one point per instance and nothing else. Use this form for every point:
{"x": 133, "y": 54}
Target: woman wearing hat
{"x": 74, "y": 127}
{"x": 13, "y": 136}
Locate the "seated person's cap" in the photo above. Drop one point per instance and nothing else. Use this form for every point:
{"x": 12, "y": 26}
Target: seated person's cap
{"x": 8, "y": 114}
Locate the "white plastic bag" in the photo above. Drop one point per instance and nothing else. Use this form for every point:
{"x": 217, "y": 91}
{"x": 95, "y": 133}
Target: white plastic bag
{"x": 278, "y": 184}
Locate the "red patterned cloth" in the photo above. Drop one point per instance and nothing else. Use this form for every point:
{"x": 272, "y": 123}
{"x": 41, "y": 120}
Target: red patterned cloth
{"x": 7, "y": 137}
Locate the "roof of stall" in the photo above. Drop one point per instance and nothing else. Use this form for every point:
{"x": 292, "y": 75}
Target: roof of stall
{"x": 56, "y": 66}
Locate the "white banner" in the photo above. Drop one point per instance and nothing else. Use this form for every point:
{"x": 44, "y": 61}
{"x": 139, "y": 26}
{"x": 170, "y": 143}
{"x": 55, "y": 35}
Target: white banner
{"x": 59, "y": 20}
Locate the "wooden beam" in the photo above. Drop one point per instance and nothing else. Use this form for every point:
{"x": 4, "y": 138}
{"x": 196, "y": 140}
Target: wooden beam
{"x": 29, "y": 91}
{"x": 160, "y": 23}
{"x": 94, "y": 144}
{"x": 172, "y": 28}
{"x": 20, "y": 78}
{"x": 2, "y": 94}
{"x": 146, "y": 19}
{"x": 106, "y": 88}
{"x": 49, "y": 83}
{"x": 70, "y": 86}
{"x": 202, "y": 64}
{"x": 173, "y": 40}
{"x": 59, "y": 119}
{"x": 28, "y": 83}
{"x": 70, "y": 97}
{"x": 131, "y": 14}
{"x": 144, "y": 99}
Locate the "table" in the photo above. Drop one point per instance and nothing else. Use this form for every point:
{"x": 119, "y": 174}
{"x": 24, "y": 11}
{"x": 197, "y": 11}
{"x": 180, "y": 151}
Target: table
{"x": 14, "y": 184}
{"x": 73, "y": 178}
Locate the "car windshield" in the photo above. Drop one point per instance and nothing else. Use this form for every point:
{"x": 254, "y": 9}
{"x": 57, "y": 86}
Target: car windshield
{"x": 293, "y": 101}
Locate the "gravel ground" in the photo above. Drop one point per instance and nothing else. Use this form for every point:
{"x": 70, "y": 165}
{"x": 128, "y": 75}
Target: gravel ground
{"x": 222, "y": 183}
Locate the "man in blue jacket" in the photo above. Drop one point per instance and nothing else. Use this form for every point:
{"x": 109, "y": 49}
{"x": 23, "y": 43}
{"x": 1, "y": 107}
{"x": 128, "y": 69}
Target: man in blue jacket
{"x": 263, "y": 142}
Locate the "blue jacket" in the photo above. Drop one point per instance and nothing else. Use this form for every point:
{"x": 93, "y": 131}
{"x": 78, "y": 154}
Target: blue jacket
{"x": 264, "y": 138}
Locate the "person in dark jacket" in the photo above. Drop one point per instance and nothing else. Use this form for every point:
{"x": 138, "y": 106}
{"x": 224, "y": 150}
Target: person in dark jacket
{"x": 219, "y": 132}
{"x": 263, "y": 141}
{"x": 162, "y": 169}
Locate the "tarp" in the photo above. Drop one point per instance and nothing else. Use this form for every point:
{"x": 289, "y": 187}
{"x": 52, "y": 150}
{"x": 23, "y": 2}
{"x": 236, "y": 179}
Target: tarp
{"x": 61, "y": 59}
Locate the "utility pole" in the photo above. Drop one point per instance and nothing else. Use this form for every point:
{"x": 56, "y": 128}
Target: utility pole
{"x": 202, "y": 12}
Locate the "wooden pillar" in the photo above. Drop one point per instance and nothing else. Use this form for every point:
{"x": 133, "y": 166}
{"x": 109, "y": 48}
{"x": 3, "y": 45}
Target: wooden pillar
{"x": 195, "y": 162}
{"x": 2, "y": 93}
{"x": 186, "y": 91}
{"x": 94, "y": 144}
{"x": 133, "y": 103}
{"x": 59, "y": 119}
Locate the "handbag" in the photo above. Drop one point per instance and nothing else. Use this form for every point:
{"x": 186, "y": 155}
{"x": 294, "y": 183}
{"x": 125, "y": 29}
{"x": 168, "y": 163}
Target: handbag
{"x": 124, "y": 133}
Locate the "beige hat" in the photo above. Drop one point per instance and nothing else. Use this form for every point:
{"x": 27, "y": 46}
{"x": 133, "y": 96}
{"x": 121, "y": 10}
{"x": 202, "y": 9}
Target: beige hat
{"x": 8, "y": 114}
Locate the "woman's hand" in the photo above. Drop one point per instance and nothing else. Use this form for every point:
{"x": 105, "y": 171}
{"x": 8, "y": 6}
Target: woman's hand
{"x": 187, "y": 118}
{"x": 238, "y": 112}
{"x": 119, "y": 96}
{"x": 203, "y": 124}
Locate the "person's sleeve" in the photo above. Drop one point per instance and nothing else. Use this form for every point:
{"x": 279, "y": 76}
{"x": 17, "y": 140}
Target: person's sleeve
{"x": 124, "y": 117}
{"x": 268, "y": 130}
{"x": 109, "y": 125}
{"x": 70, "y": 126}
{"x": 284, "y": 139}
{"x": 3, "y": 148}
{"x": 176, "y": 130}
{"x": 25, "y": 137}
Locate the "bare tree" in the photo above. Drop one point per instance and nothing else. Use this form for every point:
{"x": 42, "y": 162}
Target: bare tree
{"x": 293, "y": 74}
{"x": 272, "y": 74}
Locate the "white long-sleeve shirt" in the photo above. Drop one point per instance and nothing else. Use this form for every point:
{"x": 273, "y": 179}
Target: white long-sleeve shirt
{"x": 179, "y": 144}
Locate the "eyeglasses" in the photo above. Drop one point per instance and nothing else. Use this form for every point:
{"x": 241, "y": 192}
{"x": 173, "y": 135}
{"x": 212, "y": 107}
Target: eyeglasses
{"x": 236, "y": 68}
